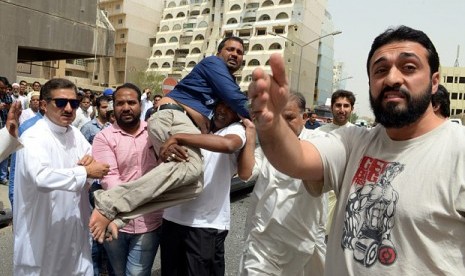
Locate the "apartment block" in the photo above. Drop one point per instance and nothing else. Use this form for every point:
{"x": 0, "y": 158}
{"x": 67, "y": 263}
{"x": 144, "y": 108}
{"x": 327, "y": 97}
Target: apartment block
{"x": 453, "y": 78}
{"x": 191, "y": 30}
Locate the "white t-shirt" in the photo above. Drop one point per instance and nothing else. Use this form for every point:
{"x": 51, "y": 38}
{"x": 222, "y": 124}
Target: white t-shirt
{"x": 401, "y": 204}
{"x": 212, "y": 208}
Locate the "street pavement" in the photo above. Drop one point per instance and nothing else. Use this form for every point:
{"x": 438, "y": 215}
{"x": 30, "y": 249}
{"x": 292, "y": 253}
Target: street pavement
{"x": 233, "y": 246}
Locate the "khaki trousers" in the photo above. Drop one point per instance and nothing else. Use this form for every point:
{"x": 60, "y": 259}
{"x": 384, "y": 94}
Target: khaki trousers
{"x": 164, "y": 186}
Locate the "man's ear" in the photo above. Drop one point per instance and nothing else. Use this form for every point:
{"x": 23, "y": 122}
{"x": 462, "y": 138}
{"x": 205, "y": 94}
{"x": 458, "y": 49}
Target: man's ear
{"x": 305, "y": 116}
{"x": 43, "y": 105}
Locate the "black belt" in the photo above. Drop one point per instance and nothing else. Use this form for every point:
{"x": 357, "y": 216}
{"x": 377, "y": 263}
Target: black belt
{"x": 171, "y": 106}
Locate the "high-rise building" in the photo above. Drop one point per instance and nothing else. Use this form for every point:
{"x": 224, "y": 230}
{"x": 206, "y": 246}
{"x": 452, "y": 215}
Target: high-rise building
{"x": 324, "y": 80}
{"x": 191, "y": 30}
{"x": 453, "y": 79}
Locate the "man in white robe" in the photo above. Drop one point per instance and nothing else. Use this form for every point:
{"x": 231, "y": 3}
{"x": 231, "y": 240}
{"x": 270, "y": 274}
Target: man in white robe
{"x": 51, "y": 206}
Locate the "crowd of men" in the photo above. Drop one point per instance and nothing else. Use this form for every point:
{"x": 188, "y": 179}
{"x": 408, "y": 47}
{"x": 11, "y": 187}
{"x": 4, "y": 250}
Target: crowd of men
{"x": 330, "y": 200}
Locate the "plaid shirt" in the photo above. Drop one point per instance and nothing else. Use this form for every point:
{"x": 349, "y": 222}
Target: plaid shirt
{"x": 5, "y": 98}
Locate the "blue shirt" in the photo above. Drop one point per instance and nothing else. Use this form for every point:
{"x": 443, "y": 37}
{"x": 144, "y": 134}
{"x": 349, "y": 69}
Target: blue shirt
{"x": 208, "y": 83}
{"x": 315, "y": 125}
{"x": 6, "y": 99}
{"x": 90, "y": 129}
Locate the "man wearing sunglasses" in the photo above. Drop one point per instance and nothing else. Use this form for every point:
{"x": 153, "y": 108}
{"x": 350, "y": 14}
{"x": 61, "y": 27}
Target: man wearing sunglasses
{"x": 51, "y": 205}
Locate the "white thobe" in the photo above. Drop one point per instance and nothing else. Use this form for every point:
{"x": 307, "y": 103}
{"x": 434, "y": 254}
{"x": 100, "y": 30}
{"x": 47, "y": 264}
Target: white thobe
{"x": 285, "y": 228}
{"x": 51, "y": 204}
{"x": 8, "y": 144}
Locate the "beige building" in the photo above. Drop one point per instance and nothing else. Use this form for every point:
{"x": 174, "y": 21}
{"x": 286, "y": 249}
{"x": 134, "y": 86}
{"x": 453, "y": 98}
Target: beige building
{"x": 191, "y": 30}
{"x": 35, "y": 32}
{"x": 133, "y": 23}
{"x": 453, "y": 78}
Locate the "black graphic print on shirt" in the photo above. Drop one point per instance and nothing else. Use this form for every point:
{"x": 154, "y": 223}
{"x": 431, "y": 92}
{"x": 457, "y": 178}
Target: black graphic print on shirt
{"x": 370, "y": 210}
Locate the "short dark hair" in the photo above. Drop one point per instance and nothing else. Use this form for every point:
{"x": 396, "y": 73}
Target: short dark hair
{"x": 101, "y": 99}
{"x": 157, "y": 96}
{"x": 37, "y": 83}
{"x": 53, "y": 84}
{"x": 4, "y": 80}
{"x": 299, "y": 99}
{"x": 130, "y": 86}
{"x": 235, "y": 38}
{"x": 343, "y": 94}
{"x": 23, "y": 81}
{"x": 441, "y": 98}
{"x": 404, "y": 33}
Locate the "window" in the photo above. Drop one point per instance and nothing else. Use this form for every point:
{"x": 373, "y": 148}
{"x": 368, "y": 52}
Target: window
{"x": 177, "y": 27}
{"x": 165, "y": 28}
{"x": 118, "y": 6}
{"x": 254, "y": 62}
{"x": 453, "y": 96}
{"x": 171, "y": 4}
{"x": 264, "y": 17}
{"x": 191, "y": 64}
{"x": 450, "y": 79}
{"x": 166, "y": 65}
{"x": 236, "y": 7}
{"x": 68, "y": 73}
{"x": 170, "y": 52}
{"x": 173, "y": 39}
{"x": 261, "y": 31}
{"x": 120, "y": 21}
{"x": 195, "y": 51}
{"x": 161, "y": 40}
{"x": 169, "y": 16}
{"x": 121, "y": 35}
{"x": 275, "y": 46}
{"x": 157, "y": 53}
{"x": 231, "y": 21}
{"x": 282, "y": 15}
{"x": 257, "y": 47}
{"x": 267, "y": 3}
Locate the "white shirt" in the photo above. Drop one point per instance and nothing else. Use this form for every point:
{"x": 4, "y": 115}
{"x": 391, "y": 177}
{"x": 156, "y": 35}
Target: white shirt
{"x": 401, "y": 204}
{"x": 82, "y": 117}
{"x": 285, "y": 224}
{"x": 212, "y": 208}
{"x": 8, "y": 144}
{"x": 51, "y": 205}
{"x": 146, "y": 105}
{"x": 26, "y": 114}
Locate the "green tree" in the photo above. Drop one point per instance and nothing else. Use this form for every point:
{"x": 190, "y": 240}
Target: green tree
{"x": 353, "y": 117}
{"x": 150, "y": 80}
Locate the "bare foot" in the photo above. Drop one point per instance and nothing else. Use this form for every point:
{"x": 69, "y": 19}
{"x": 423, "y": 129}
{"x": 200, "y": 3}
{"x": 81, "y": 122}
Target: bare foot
{"x": 112, "y": 232}
{"x": 98, "y": 224}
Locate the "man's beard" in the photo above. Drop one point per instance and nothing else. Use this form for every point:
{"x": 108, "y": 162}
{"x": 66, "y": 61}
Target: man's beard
{"x": 393, "y": 115}
{"x": 128, "y": 124}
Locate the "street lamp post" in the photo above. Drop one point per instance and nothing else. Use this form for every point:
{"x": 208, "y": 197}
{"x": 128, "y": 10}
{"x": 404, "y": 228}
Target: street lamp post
{"x": 302, "y": 48}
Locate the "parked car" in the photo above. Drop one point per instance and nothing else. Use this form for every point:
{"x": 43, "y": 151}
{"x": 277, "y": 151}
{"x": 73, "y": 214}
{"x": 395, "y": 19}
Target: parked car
{"x": 237, "y": 184}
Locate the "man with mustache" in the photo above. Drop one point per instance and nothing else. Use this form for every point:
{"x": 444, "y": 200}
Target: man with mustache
{"x": 126, "y": 147}
{"x": 51, "y": 203}
{"x": 401, "y": 198}
{"x": 188, "y": 109}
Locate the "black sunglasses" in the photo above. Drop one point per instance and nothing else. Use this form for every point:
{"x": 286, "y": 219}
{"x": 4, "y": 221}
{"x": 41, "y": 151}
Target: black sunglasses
{"x": 61, "y": 103}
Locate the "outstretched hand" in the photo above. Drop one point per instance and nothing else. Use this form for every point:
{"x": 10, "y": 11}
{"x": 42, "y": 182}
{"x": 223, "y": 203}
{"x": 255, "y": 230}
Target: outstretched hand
{"x": 268, "y": 93}
{"x": 12, "y": 120}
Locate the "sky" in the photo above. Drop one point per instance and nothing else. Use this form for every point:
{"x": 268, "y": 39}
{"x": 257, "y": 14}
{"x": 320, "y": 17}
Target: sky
{"x": 362, "y": 20}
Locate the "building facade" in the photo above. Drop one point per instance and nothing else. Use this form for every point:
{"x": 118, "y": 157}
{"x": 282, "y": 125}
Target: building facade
{"x": 36, "y": 32}
{"x": 453, "y": 78}
{"x": 191, "y": 30}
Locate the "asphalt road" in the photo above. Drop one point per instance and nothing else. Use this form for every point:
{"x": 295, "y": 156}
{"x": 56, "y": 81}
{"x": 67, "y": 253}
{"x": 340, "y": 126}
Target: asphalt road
{"x": 233, "y": 247}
